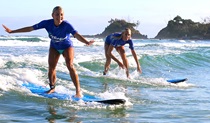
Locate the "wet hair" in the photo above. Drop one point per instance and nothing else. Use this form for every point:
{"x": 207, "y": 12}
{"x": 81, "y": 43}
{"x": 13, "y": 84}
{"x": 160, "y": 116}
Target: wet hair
{"x": 121, "y": 35}
{"x": 57, "y": 8}
{"x": 126, "y": 29}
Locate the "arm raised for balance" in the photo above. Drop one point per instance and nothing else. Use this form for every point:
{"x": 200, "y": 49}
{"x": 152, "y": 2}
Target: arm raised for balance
{"x": 24, "y": 29}
{"x": 82, "y": 39}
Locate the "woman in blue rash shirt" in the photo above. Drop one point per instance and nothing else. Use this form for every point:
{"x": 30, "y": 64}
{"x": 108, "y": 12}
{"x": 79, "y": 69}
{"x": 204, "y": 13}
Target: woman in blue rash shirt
{"x": 59, "y": 32}
{"x": 118, "y": 40}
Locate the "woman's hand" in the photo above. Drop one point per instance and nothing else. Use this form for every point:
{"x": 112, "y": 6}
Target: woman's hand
{"x": 7, "y": 29}
{"x": 121, "y": 65}
{"x": 139, "y": 69}
{"x": 90, "y": 42}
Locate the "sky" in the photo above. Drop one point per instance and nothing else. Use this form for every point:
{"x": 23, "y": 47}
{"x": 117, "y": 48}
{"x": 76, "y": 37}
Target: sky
{"x": 90, "y": 17}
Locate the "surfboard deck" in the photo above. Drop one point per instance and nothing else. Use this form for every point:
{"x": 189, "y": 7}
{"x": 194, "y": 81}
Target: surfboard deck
{"x": 40, "y": 90}
{"x": 176, "y": 80}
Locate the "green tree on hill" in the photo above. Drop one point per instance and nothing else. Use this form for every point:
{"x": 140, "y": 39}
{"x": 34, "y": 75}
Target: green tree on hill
{"x": 118, "y": 25}
{"x": 179, "y": 28}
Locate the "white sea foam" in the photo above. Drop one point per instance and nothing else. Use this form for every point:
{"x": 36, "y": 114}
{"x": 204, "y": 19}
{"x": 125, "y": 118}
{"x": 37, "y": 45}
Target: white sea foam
{"x": 23, "y": 43}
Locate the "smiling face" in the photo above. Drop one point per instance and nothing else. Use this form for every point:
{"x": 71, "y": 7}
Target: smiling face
{"x": 126, "y": 34}
{"x": 58, "y": 15}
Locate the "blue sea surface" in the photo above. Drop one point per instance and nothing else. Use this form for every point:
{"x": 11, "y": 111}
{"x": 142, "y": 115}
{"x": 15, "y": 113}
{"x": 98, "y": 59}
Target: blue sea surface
{"x": 149, "y": 97}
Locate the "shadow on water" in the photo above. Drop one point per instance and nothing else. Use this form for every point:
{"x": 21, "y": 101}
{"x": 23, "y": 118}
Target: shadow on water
{"x": 86, "y": 113}
{"x": 54, "y": 116}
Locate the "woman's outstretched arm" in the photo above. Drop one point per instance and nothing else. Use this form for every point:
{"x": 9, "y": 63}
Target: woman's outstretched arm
{"x": 24, "y": 29}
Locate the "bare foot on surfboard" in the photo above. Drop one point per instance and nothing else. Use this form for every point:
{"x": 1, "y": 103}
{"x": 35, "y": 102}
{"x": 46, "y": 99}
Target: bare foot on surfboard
{"x": 50, "y": 91}
{"x": 78, "y": 95}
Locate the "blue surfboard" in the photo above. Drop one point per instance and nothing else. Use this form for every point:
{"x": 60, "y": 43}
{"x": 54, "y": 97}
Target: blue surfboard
{"x": 176, "y": 80}
{"x": 39, "y": 90}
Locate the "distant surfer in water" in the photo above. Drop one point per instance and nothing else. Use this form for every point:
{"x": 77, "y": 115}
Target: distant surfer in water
{"x": 59, "y": 31}
{"x": 117, "y": 41}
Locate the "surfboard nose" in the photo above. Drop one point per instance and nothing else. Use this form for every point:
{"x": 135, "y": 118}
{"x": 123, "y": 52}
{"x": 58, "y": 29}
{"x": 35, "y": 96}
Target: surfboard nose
{"x": 112, "y": 101}
{"x": 177, "y": 80}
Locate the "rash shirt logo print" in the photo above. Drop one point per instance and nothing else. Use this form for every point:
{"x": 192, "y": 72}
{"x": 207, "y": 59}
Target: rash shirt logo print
{"x": 55, "y": 39}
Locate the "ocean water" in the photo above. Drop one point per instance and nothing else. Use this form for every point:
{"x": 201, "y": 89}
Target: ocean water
{"x": 149, "y": 98}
